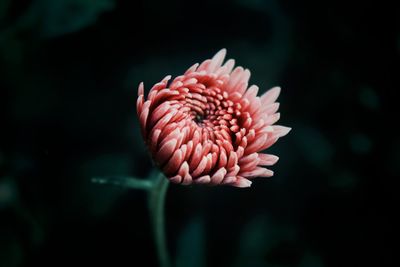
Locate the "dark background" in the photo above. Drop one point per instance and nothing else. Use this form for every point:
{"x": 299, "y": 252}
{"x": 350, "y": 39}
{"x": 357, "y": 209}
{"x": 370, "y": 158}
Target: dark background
{"x": 69, "y": 76}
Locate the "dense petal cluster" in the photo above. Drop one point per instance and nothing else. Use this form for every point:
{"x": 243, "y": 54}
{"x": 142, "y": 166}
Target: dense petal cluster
{"x": 208, "y": 127}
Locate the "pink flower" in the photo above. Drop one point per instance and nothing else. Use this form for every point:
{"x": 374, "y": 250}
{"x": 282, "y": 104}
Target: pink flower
{"x": 208, "y": 127}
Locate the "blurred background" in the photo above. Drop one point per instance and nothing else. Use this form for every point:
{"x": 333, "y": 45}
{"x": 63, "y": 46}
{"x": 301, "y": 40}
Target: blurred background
{"x": 69, "y": 71}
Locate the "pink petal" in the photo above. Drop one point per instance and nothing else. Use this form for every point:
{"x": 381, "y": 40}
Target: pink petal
{"x": 187, "y": 179}
{"x": 203, "y": 179}
{"x": 234, "y": 79}
{"x": 249, "y": 165}
{"x": 217, "y": 60}
{"x": 189, "y": 150}
{"x": 246, "y": 76}
{"x": 227, "y": 145}
{"x": 177, "y": 179}
{"x": 270, "y": 141}
{"x": 240, "y": 152}
{"x": 233, "y": 160}
{"x": 267, "y": 159}
{"x": 159, "y": 112}
{"x": 204, "y": 66}
{"x": 256, "y": 145}
{"x": 174, "y": 162}
{"x": 140, "y": 100}
{"x": 154, "y": 139}
{"x": 200, "y": 168}
{"x": 251, "y": 93}
{"x": 139, "y": 104}
{"x": 280, "y": 131}
{"x": 143, "y": 120}
{"x": 272, "y": 118}
{"x": 229, "y": 65}
{"x": 166, "y": 151}
{"x": 209, "y": 163}
{"x": 192, "y": 68}
{"x": 258, "y": 172}
{"x": 270, "y": 96}
{"x": 172, "y": 135}
{"x": 270, "y": 108}
{"x": 255, "y": 107}
{"x": 196, "y": 157}
{"x": 190, "y": 81}
{"x": 206, "y": 147}
{"x": 242, "y": 182}
{"x": 223, "y": 159}
{"x": 184, "y": 172}
{"x": 240, "y": 88}
{"x": 218, "y": 176}
{"x": 248, "y": 158}
{"x": 233, "y": 171}
{"x": 243, "y": 143}
{"x": 229, "y": 180}
{"x": 141, "y": 89}
{"x": 183, "y": 169}
{"x": 163, "y": 122}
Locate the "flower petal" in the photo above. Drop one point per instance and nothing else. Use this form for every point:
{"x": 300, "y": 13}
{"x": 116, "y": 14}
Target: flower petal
{"x": 270, "y": 96}
{"x": 242, "y": 182}
{"x": 267, "y": 159}
{"x": 217, "y": 60}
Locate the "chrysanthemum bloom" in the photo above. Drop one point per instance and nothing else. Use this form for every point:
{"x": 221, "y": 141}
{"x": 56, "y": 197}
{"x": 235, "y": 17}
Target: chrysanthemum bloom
{"x": 208, "y": 127}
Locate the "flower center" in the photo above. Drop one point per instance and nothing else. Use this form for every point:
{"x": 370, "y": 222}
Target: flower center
{"x": 199, "y": 119}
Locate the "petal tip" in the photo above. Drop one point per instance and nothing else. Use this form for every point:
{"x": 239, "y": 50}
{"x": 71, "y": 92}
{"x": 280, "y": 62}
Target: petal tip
{"x": 276, "y": 90}
{"x": 141, "y": 88}
{"x": 221, "y": 53}
{"x": 217, "y": 60}
{"x": 271, "y": 95}
{"x": 242, "y": 183}
{"x": 285, "y": 130}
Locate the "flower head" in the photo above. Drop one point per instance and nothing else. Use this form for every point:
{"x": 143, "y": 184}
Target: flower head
{"x": 208, "y": 127}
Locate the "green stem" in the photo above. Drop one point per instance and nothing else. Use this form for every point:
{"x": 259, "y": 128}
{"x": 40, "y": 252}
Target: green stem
{"x": 156, "y": 208}
{"x": 157, "y": 190}
{"x": 129, "y": 182}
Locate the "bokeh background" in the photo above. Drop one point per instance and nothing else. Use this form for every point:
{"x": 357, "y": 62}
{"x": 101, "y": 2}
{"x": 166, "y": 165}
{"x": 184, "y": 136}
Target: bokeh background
{"x": 69, "y": 71}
